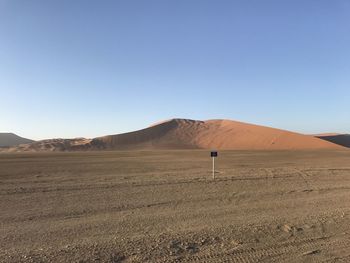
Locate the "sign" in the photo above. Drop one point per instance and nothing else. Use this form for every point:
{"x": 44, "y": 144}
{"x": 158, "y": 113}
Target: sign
{"x": 213, "y": 154}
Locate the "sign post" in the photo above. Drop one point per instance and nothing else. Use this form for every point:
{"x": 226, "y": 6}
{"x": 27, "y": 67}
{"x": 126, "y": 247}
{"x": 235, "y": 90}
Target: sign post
{"x": 213, "y": 155}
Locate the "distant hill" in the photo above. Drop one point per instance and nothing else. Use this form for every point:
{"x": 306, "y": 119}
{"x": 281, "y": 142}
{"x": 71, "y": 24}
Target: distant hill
{"x": 11, "y": 139}
{"x": 189, "y": 134}
{"x": 50, "y": 145}
{"x": 340, "y": 139}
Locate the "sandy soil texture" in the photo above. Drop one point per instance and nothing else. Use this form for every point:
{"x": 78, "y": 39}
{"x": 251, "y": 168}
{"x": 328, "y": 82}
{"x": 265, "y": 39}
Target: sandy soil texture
{"x": 163, "y": 206}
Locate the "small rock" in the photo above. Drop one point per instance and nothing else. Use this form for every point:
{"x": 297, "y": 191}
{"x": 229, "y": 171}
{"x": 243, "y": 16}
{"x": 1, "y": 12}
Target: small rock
{"x": 236, "y": 243}
{"x": 286, "y": 228}
{"x": 203, "y": 241}
{"x": 311, "y": 252}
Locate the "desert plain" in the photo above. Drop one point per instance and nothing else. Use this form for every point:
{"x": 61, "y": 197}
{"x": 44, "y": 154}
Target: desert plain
{"x": 164, "y": 206}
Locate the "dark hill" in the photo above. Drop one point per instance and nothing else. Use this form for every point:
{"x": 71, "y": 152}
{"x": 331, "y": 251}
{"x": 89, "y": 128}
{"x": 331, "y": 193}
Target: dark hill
{"x": 11, "y": 139}
{"x": 340, "y": 139}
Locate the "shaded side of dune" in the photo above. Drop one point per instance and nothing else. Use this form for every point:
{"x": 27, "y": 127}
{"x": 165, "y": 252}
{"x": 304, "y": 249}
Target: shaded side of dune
{"x": 340, "y": 139}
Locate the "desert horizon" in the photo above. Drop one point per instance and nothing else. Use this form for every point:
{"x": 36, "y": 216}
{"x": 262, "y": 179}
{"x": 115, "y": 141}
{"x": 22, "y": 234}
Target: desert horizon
{"x": 180, "y": 133}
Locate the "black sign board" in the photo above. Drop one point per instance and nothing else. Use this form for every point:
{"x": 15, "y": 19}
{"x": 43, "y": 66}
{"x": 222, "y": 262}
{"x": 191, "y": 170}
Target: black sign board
{"x": 213, "y": 154}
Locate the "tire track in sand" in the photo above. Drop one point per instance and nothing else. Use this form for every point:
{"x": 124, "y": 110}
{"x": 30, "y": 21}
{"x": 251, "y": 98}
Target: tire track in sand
{"x": 266, "y": 253}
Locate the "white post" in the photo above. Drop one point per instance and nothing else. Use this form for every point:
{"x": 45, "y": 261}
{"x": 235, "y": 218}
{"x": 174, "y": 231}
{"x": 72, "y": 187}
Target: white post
{"x": 213, "y": 168}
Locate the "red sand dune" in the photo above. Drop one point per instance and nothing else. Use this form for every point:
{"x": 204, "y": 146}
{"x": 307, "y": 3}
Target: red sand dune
{"x": 190, "y": 134}
{"x": 212, "y": 134}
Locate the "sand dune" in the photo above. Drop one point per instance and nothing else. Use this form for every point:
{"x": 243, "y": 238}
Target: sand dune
{"x": 190, "y": 134}
{"x": 218, "y": 134}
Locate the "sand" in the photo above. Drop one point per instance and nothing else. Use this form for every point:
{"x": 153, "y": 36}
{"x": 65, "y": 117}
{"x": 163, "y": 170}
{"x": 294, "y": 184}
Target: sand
{"x": 163, "y": 206}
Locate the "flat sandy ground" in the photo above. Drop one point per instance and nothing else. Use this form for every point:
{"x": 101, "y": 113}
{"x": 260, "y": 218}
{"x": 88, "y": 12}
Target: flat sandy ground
{"x": 163, "y": 206}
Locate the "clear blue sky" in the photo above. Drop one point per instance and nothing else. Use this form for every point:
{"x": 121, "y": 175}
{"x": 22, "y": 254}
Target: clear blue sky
{"x": 89, "y": 68}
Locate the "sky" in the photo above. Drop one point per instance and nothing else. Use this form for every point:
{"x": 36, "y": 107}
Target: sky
{"x": 83, "y": 68}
